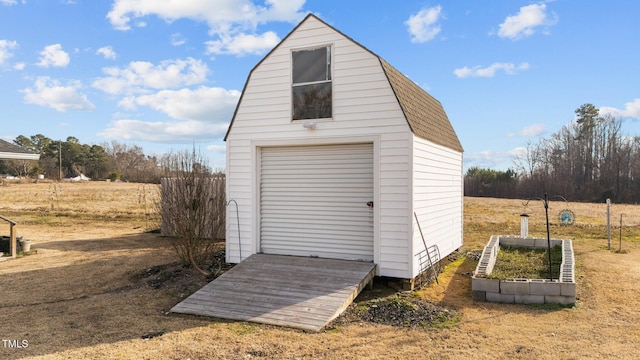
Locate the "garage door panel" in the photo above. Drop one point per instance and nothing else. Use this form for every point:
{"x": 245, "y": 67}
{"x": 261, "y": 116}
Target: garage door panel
{"x": 318, "y": 228}
{"x": 320, "y": 246}
{"x": 314, "y": 201}
{"x": 304, "y": 213}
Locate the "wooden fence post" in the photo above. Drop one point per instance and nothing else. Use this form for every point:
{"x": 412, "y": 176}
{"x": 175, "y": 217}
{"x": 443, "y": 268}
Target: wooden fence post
{"x": 12, "y": 235}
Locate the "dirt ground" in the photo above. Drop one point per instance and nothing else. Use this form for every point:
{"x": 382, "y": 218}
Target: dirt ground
{"x": 100, "y": 287}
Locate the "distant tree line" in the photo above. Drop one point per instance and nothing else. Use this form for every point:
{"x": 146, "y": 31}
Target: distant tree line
{"x": 588, "y": 160}
{"x": 491, "y": 183}
{"x": 70, "y": 158}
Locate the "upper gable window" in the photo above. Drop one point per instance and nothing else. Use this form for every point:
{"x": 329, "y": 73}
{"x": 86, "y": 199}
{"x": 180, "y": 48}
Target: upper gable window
{"x": 311, "y": 88}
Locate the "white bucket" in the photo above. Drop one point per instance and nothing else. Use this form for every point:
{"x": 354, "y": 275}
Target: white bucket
{"x": 25, "y": 245}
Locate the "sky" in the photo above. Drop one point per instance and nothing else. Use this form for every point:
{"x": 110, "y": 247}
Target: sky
{"x": 167, "y": 75}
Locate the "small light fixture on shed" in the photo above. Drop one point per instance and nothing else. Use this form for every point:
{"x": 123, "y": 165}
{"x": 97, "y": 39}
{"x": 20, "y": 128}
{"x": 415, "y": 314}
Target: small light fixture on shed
{"x": 309, "y": 125}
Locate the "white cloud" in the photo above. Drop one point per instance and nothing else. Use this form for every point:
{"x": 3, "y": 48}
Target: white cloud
{"x": 140, "y": 76}
{"x": 493, "y": 159}
{"x": 19, "y": 66}
{"x": 8, "y": 2}
{"x": 525, "y": 23}
{"x": 53, "y": 55}
{"x": 519, "y": 151}
{"x": 224, "y": 14}
{"x": 227, "y": 20}
{"x": 243, "y": 44}
{"x": 6, "y": 50}
{"x": 282, "y": 10}
{"x": 200, "y": 114}
{"x": 177, "y": 39}
{"x": 424, "y": 26}
{"x": 490, "y": 71}
{"x": 218, "y": 149}
{"x": 49, "y": 92}
{"x": 107, "y": 52}
{"x": 531, "y": 130}
{"x": 160, "y": 131}
{"x": 205, "y": 104}
{"x": 631, "y": 110}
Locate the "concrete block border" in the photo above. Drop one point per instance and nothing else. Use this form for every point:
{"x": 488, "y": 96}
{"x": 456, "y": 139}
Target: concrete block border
{"x": 524, "y": 291}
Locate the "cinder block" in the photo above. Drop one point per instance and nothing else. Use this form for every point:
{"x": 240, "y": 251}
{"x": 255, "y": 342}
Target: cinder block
{"x": 528, "y": 299}
{"x": 544, "y": 287}
{"x": 480, "y": 270}
{"x": 563, "y": 300}
{"x": 500, "y": 298}
{"x": 493, "y": 240}
{"x": 506, "y": 241}
{"x": 514, "y": 241}
{"x": 541, "y": 243}
{"x": 515, "y": 287}
{"x": 482, "y": 284}
{"x": 479, "y": 295}
{"x": 492, "y": 263}
{"x": 568, "y": 289}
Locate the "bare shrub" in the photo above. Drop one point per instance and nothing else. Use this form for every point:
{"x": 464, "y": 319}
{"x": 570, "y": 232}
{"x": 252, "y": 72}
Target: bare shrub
{"x": 192, "y": 207}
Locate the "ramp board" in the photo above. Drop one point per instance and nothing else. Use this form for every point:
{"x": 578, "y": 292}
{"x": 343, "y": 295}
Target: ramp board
{"x": 298, "y": 292}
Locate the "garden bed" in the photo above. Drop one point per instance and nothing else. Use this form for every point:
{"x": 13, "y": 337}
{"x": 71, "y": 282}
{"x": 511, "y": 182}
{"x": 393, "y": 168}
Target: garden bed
{"x": 515, "y": 262}
{"x": 557, "y": 290}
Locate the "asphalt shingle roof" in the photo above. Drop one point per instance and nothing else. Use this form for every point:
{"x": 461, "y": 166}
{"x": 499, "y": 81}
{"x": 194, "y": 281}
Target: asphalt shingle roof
{"x": 15, "y": 151}
{"x": 11, "y": 148}
{"x": 425, "y": 115}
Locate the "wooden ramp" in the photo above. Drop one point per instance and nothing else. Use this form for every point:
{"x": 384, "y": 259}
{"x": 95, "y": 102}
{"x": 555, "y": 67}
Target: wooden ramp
{"x": 298, "y": 292}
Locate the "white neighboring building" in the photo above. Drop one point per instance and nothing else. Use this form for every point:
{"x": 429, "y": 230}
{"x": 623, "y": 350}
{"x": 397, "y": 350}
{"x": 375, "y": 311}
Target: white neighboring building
{"x": 9, "y": 151}
{"x": 81, "y": 177}
{"x": 330, "y": 152}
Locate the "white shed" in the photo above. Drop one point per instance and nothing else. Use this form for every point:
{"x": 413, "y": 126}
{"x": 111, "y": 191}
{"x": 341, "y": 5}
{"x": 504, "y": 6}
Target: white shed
{"x": 330, "y": 152}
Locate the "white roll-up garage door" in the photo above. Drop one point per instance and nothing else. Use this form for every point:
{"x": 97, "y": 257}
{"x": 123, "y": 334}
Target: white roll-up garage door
{"x": 317, "y": 201}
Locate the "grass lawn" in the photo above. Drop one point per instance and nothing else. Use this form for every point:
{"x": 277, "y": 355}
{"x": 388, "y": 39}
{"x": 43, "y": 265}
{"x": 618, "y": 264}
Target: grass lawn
{"x": 100, "y": 286}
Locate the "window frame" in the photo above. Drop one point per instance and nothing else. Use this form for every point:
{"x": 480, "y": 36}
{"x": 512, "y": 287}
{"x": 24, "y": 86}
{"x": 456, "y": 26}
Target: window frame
{"x": 328, "y": 75}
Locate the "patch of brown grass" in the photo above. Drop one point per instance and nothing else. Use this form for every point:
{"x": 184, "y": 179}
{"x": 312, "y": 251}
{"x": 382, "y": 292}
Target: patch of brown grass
{"x": 101, "y": 287}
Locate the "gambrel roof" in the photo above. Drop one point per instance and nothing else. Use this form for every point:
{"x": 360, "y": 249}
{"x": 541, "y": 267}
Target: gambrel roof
{"x": 9, "y": 151}
{"x": 424, "y": 114}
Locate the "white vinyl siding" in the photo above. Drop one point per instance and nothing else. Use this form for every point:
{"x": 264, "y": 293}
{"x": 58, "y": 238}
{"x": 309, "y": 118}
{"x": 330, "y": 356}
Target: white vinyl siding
{"x": 238, "y": 181}
{"x": 313, "y": 201}
{"x": 437, "y": 198}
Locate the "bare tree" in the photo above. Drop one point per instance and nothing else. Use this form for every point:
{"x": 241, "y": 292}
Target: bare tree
{"x": 21, "y": 168}
{"x": 587, "y": 159}
{"x": 192, "y": 206}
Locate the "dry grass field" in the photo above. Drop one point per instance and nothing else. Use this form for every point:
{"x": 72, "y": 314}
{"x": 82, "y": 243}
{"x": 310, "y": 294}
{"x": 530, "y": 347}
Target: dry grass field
{"x": 100, "y": 287}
